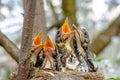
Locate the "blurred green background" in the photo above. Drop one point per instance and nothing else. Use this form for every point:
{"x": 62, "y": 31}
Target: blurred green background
{"x": 94, "y": 15}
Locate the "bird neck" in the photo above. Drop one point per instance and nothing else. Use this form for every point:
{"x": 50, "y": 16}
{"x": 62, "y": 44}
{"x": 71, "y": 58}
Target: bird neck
{"x": 68, "y": 44}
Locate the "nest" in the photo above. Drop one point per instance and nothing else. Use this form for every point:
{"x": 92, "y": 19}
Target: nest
{"x": 47, "y": 57}
{"x": 39, "y": 74}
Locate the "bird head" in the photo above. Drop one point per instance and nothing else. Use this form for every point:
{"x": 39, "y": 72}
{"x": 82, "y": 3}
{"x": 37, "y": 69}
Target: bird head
{"x": 66, "y": 31}
{"x": 49, "y": 46}
{"x": 37, "y": 42}
{"x": 79, "y": 32}
{"x": 65, "y": 27}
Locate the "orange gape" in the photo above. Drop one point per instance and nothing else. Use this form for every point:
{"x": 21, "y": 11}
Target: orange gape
{"x": 66, "y": 31}
{"x": 48, "y": 43}
{"x": 38, "y": 40}
{"x": 66, "y": 27}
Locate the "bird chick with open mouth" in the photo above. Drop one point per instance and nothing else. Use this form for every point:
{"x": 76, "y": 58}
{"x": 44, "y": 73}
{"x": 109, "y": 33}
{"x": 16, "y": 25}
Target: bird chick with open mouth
{"x": 49, "y": 54}
{"x": 36, "y": 50}
{"x": 66, "y": 57}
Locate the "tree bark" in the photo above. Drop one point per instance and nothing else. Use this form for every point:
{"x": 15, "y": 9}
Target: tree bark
{"x": 24, "y": 64}
{"x": 103, "y": 39}
{"x": 39, "y": 25}
{"x": 69, "y": 10}
{"x": 39, "y": 21}
{"x": 56, "y": 25}
{"x": 9, "y": 46}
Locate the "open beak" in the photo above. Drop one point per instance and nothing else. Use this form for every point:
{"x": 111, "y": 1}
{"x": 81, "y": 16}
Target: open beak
{"x": 49, "y": 43}
{"x": 38, "y": 40}
{"x": 49, "y": 52}
{"x": 66, "y": 31}
{"x": 65, "y": 27}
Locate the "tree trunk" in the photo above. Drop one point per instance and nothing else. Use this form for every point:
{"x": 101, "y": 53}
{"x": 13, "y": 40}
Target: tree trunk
{"x": 69, "y": 10}
{"x": 103, "y": 39}
{"x": 39, "y": 21}
{"x": 24, "y": 64}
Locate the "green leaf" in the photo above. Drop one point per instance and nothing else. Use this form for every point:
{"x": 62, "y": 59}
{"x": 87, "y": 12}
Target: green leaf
{"x": 98, "y": 59}
{"x": 114, "y": 79}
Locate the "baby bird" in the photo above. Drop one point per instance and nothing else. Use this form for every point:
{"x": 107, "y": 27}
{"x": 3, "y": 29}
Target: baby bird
{"x": 36, "y": 49}
{"x": 49, "y": 54}
{"x": 85, "y": 41}
{"x": 79, "y": 51}
{"x": 79, "y": 36}
{"x": 66, "y": 57}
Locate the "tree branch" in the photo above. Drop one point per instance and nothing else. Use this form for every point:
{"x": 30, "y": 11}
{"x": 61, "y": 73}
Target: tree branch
{"x": 9, "y": 46}
{"x": 103, "y": 39}
{"x": 24, "y": 64}
{"x": 56, "y": 25}
{"x": 53, "y": 10}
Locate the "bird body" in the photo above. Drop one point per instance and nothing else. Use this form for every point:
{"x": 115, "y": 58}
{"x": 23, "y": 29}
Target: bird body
{"x": 72, "y": 62}
{"x": 67, "y": 58}
{"x": 34, "y": 55}
{"x": 84, "y": 43}
{"x": 80, "y": 54}
{"x": 89, "y": 55}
